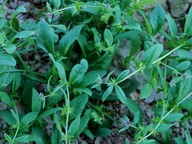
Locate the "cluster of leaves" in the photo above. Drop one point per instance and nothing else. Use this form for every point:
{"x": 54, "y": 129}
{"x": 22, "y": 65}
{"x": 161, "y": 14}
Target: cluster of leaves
{"x": 80, "y": 39}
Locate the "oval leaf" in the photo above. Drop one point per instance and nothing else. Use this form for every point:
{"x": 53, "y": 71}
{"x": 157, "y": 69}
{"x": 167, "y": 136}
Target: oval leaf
{"x": 69, "y": 38}
{"x": 146, "y": 91}
{"x": 24, "y": 34}
{"x": 183, "y": 66}
{"x": 108, "y": 37}
{"x": 107, "y": 93}
{"x": 122, "y": 75}
{"x": 78, "y": 71}
{"x": 157, "y": 18}
{"x": 6, "y": 59}
{"x": 5, "y": 98}
{"x": 120, "y": 94}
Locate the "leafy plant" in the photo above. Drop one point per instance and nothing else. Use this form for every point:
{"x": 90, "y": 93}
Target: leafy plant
{"x": 79, "y": 40}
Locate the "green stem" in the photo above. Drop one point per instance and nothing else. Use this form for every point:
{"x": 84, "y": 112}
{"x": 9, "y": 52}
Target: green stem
{"x": 154, "y": 62}
{"x": 168, "y": 113}
{"x": 166, "y": 55}
{"x": 18, "y": 126}
{"x": 170, "y": 68}
{"x": 67, "y": 8}
{"x": 67, "y": 99}
{"x": 130, "y": 75}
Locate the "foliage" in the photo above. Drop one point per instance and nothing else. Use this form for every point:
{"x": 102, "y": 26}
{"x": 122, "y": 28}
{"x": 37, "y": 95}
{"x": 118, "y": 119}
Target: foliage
{"x": 80, "y": 39}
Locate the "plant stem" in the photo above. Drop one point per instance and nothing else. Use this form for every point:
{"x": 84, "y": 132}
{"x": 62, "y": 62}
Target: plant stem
{"x": 158, "y": 60}
{"x": 67, "y": 99}
{"x": 63, "y": 9}
{"x": 168, "y": 113}
{"x": 130, "y": 75}
{"x": 154, "y": 62}
{"x": 170, "y": 68}
{"x": 18, "y": 126}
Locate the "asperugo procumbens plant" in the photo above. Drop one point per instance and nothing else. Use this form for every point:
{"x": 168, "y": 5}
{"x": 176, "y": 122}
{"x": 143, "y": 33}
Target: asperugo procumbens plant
{"x": 80, "y": 39}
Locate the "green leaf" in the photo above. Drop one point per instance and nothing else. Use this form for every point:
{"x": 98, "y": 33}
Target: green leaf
{"x": 67, "y": 40}
{"x": 3, "y": 68}
{"x": 41, "y": 136}
{"x": 127, "y": 34}
{"x": 28, "y": 118}
{"x": 107, "y": 93}
{"x": 146, "y": 91}
{"x": 147, "y": 23}
{"x": 7, "y": 117}
{"x": 8, "y": 138}
{"x": 150, "y": 141}
{"x": 10, "y": 48}
{"x": 135, "y": 109}
{"x": 157, "y": 18}
{"x": 173, "y": 117}
{"x": 83, "y": 90}
{"x": 20, "y": 9}
{"x": 90, "y": 7}
{"x": 60, "y": 26}
{"x": 22, "y": 139}
{"x": 183, "y": 66}
{"x": 60, "y": 68}
{"x": 188, "y": 137}
{"x": 78, "y": 71}
{"x": 92, "y": 77}
{"x": 152, "y": 54}
{"x": 6, "y": 79}
{"x": 179, "y": 140}
{"x": 104, "y": 61}
{"x": 47, "y": 35}
{"x": 188, "y": 23}
{"x": 164, "y": 127}
{"x": 36, "y": 102}
{"x": 14, "y": 23}
{"x": 48, "y": 112}
{"x": 133, "y": 26}
{"x": 135, "y": 46}
{"x": 5, "y": 98}
{"x": 2, "y": 23}
{"x": 24, "y": 34}
{"x": 16, "y": 81}
{"x": 78, "y": 104}
{"x": 42, "y": 45}
{"x": 89, "y": 134}
{"x": 48, "y": 7}
{"x": 83, "y": 123}
{"x": 102, "y": 132}
{"x": 184, "y": 89}
{"x": 15, "y": 115}
{"x": 56, "y": 3}
{"x": 7, "y": 59}
{"x": 55, "y": 136}
{"x": 122, "y": 75}
{"x": 120, "y": 94}
{"x": 172, "y": 25}
{"x": 73, "y": 129}
{"x": 108, "y": 36}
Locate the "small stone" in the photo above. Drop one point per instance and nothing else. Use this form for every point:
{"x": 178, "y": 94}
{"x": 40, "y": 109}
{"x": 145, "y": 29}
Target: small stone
{"x": 37, "y": 1}
{"x": 13, "y": 5}
{"x": 97, "y": 140}
{"x": 178, "y": 7}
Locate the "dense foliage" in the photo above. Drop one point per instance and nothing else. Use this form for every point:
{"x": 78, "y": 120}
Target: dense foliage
{"x": 78, "y": 41}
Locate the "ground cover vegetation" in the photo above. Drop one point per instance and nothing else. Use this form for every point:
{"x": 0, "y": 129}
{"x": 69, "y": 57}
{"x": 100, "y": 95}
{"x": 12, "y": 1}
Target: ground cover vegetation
{"x": 70, "y": 84}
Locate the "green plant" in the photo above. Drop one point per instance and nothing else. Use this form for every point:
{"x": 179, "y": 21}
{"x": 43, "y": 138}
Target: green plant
{"x": 80, "y": 39}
